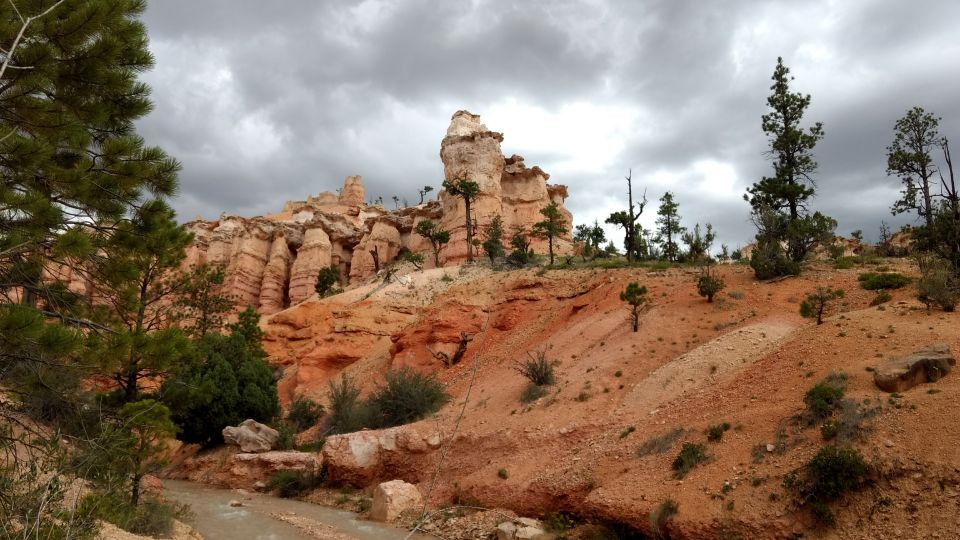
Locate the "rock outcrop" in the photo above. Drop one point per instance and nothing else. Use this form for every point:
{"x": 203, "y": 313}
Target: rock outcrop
{"x": 251, "y": 436}
{"x": 390, "y": 499}
{"x": 271, "y": 262}
{"x": 928, "y": 364}
{"x": 360, "y": 458}
{"x": 225, "y": 467}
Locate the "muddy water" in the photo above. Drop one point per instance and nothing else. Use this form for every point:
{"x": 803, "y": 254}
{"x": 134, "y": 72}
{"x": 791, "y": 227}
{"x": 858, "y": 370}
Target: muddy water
{"x": 217, "y": 520}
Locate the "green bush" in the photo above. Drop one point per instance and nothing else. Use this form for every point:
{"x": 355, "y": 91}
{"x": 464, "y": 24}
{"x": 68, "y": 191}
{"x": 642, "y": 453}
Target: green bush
{"x": 874, "y": 281}
{"x": 537, "y": 369}
{"x": 882, "y": 297}
{"x": 503, "y": 474}
{"x": 287, "y": 438}
{"x": 406, "y": 396}
{"x": 772, "y": 264}
{"x": 844, "y": 263}
{"x": 293, "y": 483}
{"x": 829, "y": 474}
{"x": 228, "y": 383}
{"x": 708, "y": 286}
{"x": 347, "y": 412}
{"x": 304, "y": 413}
{"x": 824, "y": 398}
{"x": 691, "y": 455}
{"x": 327, "y": 280}
{"x": 150, "y": 517}
{"x": 937, "y": 284}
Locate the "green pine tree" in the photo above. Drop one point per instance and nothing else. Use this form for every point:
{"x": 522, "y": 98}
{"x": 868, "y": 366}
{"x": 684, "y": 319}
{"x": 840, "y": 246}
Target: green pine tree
{"x": 669, "y": 229}
{"x": 552, "y": 226}
{"x": 468, "y": 190}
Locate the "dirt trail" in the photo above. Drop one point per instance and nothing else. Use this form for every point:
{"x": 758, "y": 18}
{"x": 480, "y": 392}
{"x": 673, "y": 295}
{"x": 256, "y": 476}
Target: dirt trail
{"x": 707, "y": 364}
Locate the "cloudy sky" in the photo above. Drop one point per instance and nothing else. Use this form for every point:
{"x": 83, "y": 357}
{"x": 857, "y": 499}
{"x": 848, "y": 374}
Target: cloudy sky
{"x": 269, "y": 101}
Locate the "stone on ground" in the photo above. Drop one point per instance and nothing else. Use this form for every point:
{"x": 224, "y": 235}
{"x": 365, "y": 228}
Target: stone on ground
{"x": 928, "y": 364}
{"x": 392, "y": 498}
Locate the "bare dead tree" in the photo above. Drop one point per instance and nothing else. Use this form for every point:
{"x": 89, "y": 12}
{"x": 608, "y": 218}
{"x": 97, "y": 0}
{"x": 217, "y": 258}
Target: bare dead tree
{"x": 448, "y": 360}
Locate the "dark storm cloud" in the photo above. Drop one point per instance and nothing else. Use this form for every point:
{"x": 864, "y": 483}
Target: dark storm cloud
{"x": 264, "y": 102}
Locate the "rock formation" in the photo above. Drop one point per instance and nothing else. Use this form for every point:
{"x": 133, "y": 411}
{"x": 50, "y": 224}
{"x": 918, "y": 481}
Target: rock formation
{"x": 390, "y": 499}
{"x": 251, "y": 436}
{"x": 271, "y": 262}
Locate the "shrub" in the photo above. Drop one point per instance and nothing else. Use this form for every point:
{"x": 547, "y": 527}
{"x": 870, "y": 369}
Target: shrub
{"x": 824, "y": 398}
{"x": 292, "y": 483}
{"x": 816, "y": 302}
{"x": 150, "y": 517}
{"x": 937, "y": 283}
{"x": 882, "y": 297}
{"x": 844, "y": 263}
{"x": 304, "y": 413}
{"x": 287, "y": 438}
{"x": 660, "y": 443}
{"x": 537, "y": 369}
{"x": 229, "y": 384}
{"x": 660, "y": 516}
{"x": 715, "y": 432}
{"x": 502, "y": 474}
{"x": 708, "y": 286}
{"x": 327, "y": 281}
{"x": 691, "y": 455}
{"x": 347, "y": 413}
{"x": 532, "y": 392}
{"x": 406, "y": 396}
{"x": 829, "y": 474}
{"x": 627, "y": 431}
{"x": 873, "y": 281}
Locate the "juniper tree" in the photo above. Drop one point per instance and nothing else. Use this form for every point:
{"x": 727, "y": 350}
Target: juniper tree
{"x": 668, "y": 228}
{"x": 551, "y": 227}
{"x": 435, "y": 235}
{"x": 468, "y": 190}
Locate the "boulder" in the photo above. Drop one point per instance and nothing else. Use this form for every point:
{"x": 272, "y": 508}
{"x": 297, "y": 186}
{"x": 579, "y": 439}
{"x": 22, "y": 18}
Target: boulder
{"x": 251, "y": 436}
{"x": 362, "y": 457}
{"x": 928, "y": 364}
{"x": 522, "y": 529}
{"x": 392, "y": 498}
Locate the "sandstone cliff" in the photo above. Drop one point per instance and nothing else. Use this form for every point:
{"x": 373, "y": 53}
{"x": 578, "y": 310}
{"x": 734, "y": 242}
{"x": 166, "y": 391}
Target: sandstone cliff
{"x": 272, "y": 261}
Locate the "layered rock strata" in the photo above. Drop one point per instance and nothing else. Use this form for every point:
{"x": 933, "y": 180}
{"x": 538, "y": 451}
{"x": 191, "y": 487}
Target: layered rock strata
{"x": 272, "y": 262}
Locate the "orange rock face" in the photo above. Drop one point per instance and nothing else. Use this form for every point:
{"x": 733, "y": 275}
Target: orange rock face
{"x": 272, "y": 261}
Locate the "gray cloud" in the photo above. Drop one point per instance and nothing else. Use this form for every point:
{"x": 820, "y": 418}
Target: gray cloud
{"x": 264, "y": 102}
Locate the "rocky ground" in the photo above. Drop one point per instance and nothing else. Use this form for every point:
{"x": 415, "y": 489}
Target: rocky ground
{"x": 746, "y": 360}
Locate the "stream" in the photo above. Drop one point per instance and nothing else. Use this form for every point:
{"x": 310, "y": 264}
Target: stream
{"x": 263, "y": 517}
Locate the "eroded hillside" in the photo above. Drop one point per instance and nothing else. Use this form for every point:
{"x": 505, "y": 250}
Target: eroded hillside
{"x": 746, "y": 360}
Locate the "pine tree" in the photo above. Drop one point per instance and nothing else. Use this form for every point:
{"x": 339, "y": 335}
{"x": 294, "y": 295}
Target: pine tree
{"x": 785, "y": 195}
{"x": 551, "y": 227}
{"x": 468, "y": 190}
{"x": 200, "y": 307}
{"x": 699, "y": 244}
{"x": 910, "y": 157}
{"x": 635, "y": 296}
{"x": 424, "y": 191}
{"x": 668, "y": 227}
{"x": 132, "y": 279}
